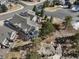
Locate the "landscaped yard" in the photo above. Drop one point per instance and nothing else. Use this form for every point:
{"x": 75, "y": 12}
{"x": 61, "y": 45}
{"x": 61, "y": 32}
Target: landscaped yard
{"x": 19, "y": 43}
{"x": 12, "y": 8}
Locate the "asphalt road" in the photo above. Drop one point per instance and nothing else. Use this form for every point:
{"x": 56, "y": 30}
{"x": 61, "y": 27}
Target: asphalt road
{"x": 9, "y": 15}
{"x": 59, "y": 13}
{"x": 62, "y": 13}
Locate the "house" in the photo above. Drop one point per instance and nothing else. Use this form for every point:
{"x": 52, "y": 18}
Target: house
{"x": 25, "y": 23}
{"x": 25, "y": 20}
{"x": 3, "y": 1}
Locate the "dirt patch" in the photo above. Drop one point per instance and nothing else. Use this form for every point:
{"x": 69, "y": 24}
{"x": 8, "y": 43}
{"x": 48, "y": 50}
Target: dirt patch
{"x": 52, "y": 9}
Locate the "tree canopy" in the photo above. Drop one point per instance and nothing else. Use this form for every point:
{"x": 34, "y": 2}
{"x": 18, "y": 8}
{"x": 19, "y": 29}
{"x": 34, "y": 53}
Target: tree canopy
{"x": 76, "y": 2}
{"x": 47, "y": 28}
{"x": 3, "y": 8}
{"x": 34, "y": 8}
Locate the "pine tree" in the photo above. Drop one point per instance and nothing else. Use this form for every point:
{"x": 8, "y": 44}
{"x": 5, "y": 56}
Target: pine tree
{"x": 34, "y": 8}
{"x": 4, "y": 8}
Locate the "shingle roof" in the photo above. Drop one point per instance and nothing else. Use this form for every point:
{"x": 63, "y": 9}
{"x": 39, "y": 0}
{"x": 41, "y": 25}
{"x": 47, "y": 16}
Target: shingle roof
{"x": 25, "y": 22}
{"x": 17, "y": 19}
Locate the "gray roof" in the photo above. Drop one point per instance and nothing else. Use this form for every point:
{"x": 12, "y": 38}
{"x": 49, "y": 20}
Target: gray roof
{"x": 25, "y": 22}
{"x": 20, "y": 20}
{"x": 4, "y": 33}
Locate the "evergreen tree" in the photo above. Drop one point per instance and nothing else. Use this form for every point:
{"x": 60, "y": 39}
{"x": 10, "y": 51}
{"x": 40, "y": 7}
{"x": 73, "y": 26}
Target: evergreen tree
{"x": 4, "y": 8}
{"x": 41, "y": 13}
{"x": 47, "y": 28}
{"x": 69, "y": 5}
{"x": 76, "y": 2}
{"x": 34, "y": 8}
{"x": 45, "y": 17}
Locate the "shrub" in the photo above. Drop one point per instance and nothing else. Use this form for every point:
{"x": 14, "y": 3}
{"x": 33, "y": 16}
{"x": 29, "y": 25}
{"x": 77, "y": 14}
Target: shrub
{"x": 3, "y": 8}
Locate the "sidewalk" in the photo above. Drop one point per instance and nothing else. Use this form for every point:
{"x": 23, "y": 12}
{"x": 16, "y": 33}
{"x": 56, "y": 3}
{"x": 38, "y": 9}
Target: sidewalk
{"x": 10, "y": 11}
{"x": 32, "y": 3}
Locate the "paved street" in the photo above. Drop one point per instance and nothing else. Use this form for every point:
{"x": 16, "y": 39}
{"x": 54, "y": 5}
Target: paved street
{"x": 59, "y": 13}
{"x": 6, "y": 16}
{"x": 62, "y": 13}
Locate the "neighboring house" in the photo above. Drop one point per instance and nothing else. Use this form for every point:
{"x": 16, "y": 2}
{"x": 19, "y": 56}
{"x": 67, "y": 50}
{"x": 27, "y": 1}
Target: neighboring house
{"x": 64, "y": 2}
{"x": 8, "y": 1}
{"x": 3, "y": 1}
{"x": 6, "y": 37}
{"x": 75, "y": 8}
{"x": 15, "y": 1}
